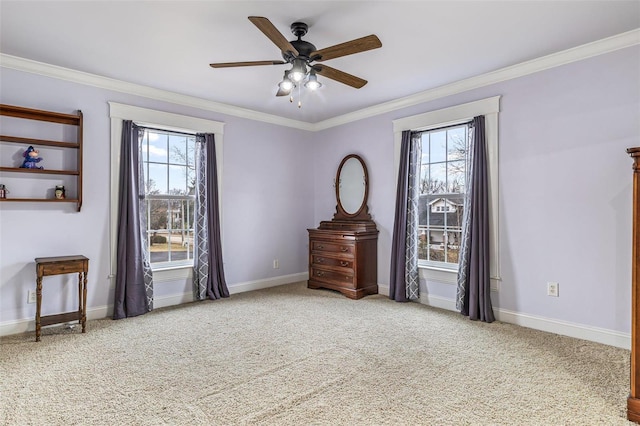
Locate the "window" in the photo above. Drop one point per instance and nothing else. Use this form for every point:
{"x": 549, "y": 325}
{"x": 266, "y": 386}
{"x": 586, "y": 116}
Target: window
{"x": 445, "y": 202}
{"x": 168, "y": 160}
{"x": 442, "y": 182}
{"x": 164, "y": 124}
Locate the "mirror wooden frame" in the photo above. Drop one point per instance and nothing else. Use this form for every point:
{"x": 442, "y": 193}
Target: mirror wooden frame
{"x": 363, "y": 212}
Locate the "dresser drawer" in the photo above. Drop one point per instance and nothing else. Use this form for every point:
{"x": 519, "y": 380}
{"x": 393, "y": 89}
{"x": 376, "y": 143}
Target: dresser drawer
{"x": 344, "y": 279}
{"x": 338, "y": 248}
{"x": 63, "y": 267}
{"x": 319, "y": 260}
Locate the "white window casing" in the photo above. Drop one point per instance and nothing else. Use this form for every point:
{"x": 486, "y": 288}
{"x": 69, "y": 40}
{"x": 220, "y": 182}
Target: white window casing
{"x": 489, "y": 107}
{"x": 165, "y": 121}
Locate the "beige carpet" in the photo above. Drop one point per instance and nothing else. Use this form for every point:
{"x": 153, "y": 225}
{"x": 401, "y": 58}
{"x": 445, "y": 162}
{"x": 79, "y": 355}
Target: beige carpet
{"x": 293, "y": 356}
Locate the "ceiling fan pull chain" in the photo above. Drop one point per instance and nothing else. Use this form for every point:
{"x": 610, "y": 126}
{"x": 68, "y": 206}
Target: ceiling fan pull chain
{"x": 299, "y": 97}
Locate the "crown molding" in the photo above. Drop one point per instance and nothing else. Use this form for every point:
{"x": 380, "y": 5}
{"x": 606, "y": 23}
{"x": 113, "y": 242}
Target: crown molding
{"x": 61, "y": 73}
{"x": 599, "y": 47}
{"x": 585, "y": 51}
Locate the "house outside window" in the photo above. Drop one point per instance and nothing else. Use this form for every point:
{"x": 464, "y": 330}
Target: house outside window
{"x": 168, "y": 159}
{"x": 442, "y": 183}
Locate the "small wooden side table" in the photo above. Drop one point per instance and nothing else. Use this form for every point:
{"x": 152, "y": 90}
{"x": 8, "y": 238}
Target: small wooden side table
{"x": 56, "y": 266}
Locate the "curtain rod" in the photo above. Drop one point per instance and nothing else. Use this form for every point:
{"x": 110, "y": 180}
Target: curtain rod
{"x": 463, "y": 123}
{"x": 166, "y": 130}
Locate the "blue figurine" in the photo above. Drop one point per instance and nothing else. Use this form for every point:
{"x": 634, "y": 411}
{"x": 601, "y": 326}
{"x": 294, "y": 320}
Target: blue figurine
{"x": 31, "y": 159}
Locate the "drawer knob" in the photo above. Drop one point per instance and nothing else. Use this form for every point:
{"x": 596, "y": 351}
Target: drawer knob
{"x": 343, "y": 263}
{"x": 319, "y": 260}
{"x": 319, "y": 273}
{"x": 320, "y": 246}
{"x": 344, "y": 249}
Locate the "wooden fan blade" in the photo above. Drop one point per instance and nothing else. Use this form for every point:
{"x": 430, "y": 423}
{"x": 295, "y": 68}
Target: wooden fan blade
{"x": 273, "y": 34}
{"x": 347, "y": 48}
{"x": 245, "y": 64}
{"x": 341, "y": 76}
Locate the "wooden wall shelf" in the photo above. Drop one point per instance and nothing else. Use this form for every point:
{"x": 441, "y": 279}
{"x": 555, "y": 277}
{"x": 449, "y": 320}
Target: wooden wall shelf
{"x": 41, "y": 171}
{"x": 39, "y": 200}
{"x": 42, "y": 142}
{"x": 52, "y": 117}
{"x": 40, "y": 115}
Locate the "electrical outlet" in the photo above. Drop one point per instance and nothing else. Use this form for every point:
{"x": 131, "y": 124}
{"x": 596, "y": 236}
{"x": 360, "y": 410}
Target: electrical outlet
{"x": 31, "y": 296}
{"x": 553, "y": 289}
{"x": 276, "y": 264}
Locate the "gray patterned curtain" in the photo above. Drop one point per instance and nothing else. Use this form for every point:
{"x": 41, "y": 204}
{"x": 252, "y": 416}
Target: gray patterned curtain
{"x": 404, "y": 282}
{"x": 208, "y": 271}
{"x": 134, "y": 279}
{"x": 473, "y": 297}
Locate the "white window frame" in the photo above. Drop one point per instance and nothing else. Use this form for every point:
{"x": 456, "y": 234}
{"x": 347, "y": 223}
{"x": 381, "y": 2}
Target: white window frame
{"x": 164, "y": 121}
{"x": 163, "y": 197}
{"x": 459, "y": 114}
{"x": 444, "y": 209}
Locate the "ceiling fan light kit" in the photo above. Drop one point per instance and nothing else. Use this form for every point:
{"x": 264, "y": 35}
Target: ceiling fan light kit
{"x": 313, "y": 83}
{"x": 302, "y": 55}
{"x": 286, "y": 83}
{"x": 299, "y": 70}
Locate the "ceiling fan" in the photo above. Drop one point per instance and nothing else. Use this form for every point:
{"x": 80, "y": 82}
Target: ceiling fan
{"x": 305, "y": 58}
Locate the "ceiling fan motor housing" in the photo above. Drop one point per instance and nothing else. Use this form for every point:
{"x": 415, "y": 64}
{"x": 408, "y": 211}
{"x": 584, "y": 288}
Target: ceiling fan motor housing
{"x": 304, "y": 48}
{"x": 299, "y": 29}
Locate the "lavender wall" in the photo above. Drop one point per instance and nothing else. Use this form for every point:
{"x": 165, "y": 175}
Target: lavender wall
{"x": 268, "y": 196}
{"x": 267, "y": 202}
{"x": 564, "y": 183}
{"x": 564, "y": 191}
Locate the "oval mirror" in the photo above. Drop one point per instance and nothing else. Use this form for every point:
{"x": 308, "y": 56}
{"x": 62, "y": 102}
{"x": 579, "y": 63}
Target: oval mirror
{"x": 351, "y": 188}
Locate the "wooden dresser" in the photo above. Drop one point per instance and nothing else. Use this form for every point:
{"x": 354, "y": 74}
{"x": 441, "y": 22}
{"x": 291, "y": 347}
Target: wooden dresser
{"x": 343, "y": 252}
{"x": 343, "y": 256}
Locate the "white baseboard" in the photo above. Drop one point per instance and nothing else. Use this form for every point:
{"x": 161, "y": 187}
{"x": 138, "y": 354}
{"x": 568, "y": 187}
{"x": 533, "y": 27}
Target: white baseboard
{"x": 579, "y": 331}
{"x": 268, "y": 282}
{"x": 426, "y": 299}
{"x": 29, "y": 324}
{"x": 383, "y": 289}
{"x": 100, "y": 312}
{"x": 564, "y": 328}
{"x": 594, "y": 334}
{"x": 438, "y": 302}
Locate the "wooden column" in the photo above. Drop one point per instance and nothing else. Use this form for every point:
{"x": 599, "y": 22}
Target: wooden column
{"x": 633, "y": 402}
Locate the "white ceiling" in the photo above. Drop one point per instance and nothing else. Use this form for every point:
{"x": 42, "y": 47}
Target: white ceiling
{"x": 425, "y": 44}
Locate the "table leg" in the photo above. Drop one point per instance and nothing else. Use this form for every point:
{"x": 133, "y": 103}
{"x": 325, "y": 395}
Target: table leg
{"x": 84, "y": 302}
{"x": 38, "y": 305}
{"x": 80, "y": 297}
